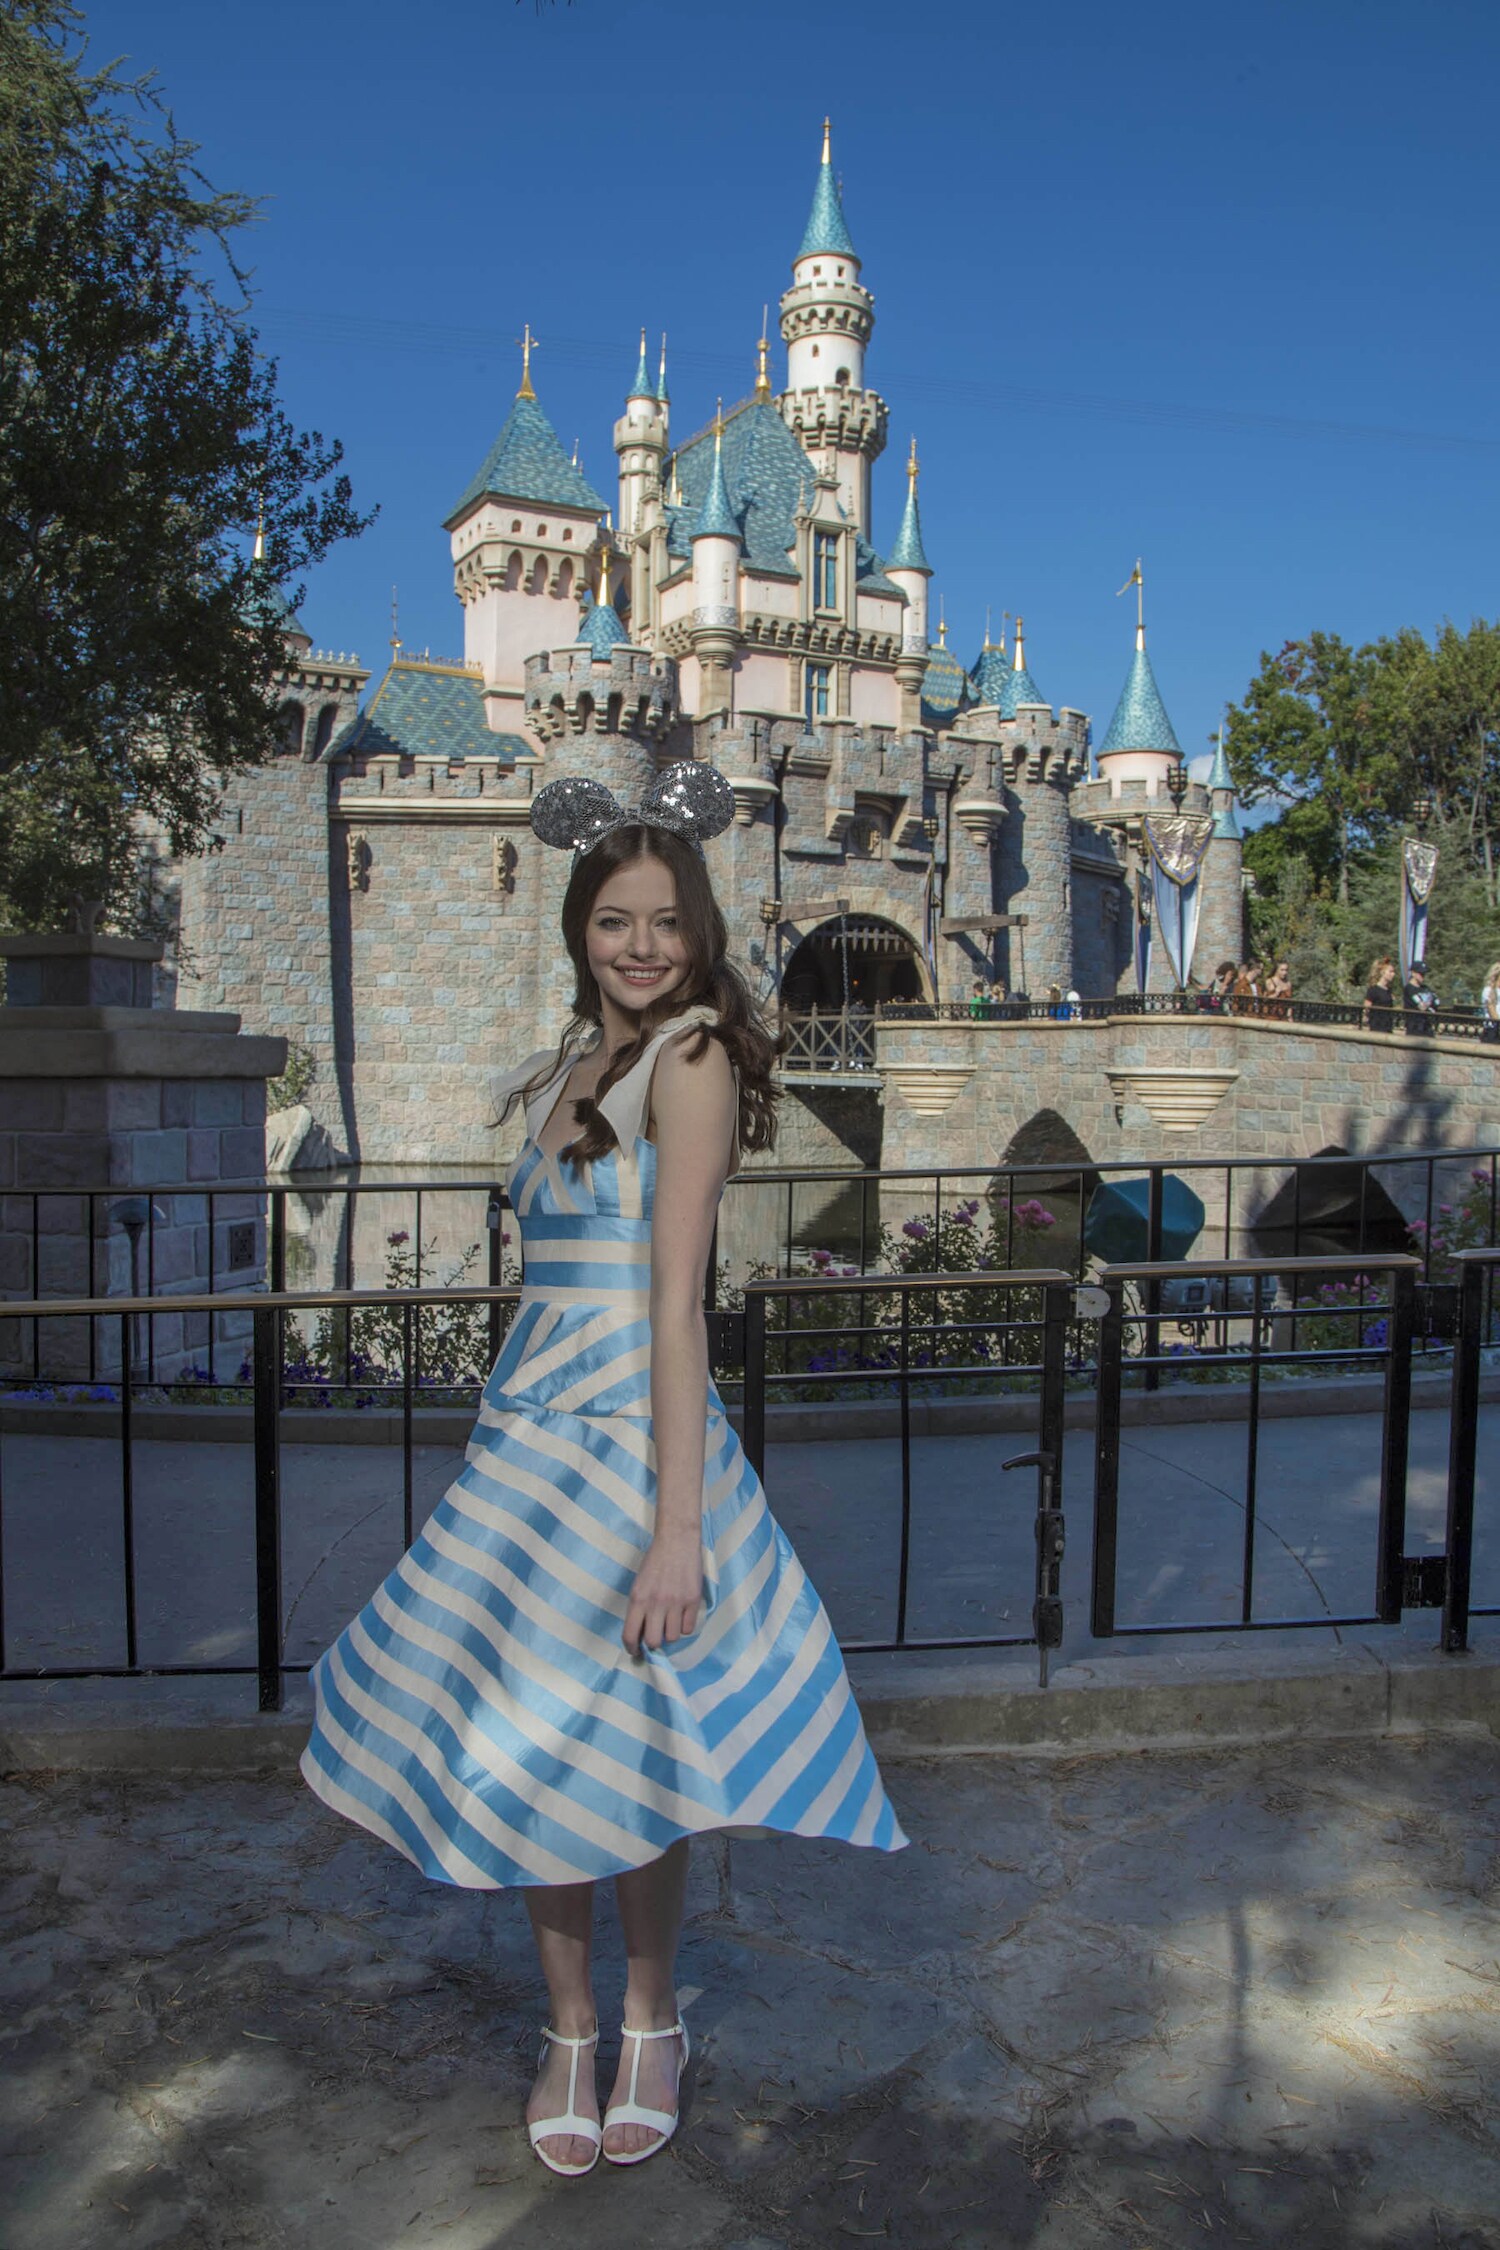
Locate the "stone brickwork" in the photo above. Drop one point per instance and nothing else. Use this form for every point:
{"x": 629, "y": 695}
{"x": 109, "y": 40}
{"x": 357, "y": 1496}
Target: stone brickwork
{"x": 120, "y": 1098}
{"x": 1296, "y": 1091}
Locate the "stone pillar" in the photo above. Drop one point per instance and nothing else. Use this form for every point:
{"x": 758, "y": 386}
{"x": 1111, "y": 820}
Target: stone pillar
{"x": 1035, "y": 879}
{"x": 1221, "y": 913}
{"x": 150, "y": 1107}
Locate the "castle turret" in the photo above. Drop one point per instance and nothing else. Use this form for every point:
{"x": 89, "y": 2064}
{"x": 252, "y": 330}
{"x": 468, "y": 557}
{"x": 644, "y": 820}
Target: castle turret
{"x": 1221, "y": 912}
{"x": 520, "y": 537}
{"x": 641, "y": 444}
{"x": 716, "y": 597}
{"x": 1140, "y": 744}
{"x": 827, "y": 317}
{"x": 908, "y": 568}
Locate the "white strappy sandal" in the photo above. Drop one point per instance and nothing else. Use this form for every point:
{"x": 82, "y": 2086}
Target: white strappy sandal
{"x": 630, "y": 2112}
{"x": 552, "y": 2128}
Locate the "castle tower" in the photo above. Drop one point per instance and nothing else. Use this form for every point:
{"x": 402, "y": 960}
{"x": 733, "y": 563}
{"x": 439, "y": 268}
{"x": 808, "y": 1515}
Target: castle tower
{"x": 827, "y": 317}
{"x": 521, "y": 535}
{"x": 909, "y": 569}
{"x": 1140, "y": 743}
{"x": 716, "y": 596}
{"x": 641, "y": 444}
{"x": 1221, "y": 912}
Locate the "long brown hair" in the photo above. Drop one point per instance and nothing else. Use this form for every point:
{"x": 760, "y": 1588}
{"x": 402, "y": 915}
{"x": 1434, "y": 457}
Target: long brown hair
{"x": 712, "y": 980}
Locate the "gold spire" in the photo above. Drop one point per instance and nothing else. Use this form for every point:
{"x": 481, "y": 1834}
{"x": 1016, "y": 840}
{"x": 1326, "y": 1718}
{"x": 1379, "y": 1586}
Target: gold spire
{"x": 942, "y": 622}
{"x": 763, "y": 371}
{"x": 718, "y": 427}
{"x": 1004, "y": 621}
{"x": 826, "y": 128}
{"x": 1137, "y": 580}
{"x": 260, "y": 536}
{"x": 575, "y": 453}
{"x": 1018, "y": 662}
{"x": 987, "y": 641}
{"x": 528, "y": 346}
{"x": 912, "y": 463}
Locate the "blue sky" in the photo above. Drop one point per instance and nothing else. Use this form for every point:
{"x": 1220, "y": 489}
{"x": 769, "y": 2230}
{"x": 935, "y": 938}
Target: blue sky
{"x": 1209, "y": 285}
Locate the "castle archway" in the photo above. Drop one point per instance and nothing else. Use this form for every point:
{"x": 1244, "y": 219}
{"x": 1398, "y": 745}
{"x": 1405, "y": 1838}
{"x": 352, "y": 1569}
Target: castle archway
{"x": 858, "y": 960}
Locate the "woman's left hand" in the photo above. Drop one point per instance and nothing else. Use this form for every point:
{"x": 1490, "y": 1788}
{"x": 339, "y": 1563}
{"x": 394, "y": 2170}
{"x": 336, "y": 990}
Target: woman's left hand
{"x": 667, "y": 1594}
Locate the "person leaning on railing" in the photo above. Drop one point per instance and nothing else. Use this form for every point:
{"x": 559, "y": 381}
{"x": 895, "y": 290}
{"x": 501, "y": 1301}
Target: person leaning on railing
{"x": 1489, "y": 1004}
{"x": 1420, "y": 1003}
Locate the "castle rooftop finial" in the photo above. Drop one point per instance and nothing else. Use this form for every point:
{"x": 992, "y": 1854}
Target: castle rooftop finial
{"x": 763, "y": 370}
{"x": 1019, "y": 661}
{"x": 661, "y": 380}
{"x": 908, "y": 553}
{"x": 1138, "y": 581}
{"x": 827, "y": 233}
{"x": 643, "y": 386}
{"x": 528, "y": 345}
{"x": 260, "y": 536}
{"x": 942, "y": 622}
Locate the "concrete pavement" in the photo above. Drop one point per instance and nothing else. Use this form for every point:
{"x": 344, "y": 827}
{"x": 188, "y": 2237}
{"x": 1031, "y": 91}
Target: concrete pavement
{"x": 1108, "y": 2003}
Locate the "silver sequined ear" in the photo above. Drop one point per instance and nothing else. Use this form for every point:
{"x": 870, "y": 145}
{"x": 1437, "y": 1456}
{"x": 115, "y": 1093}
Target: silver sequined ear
{"x": 692, "y": 799}
{"x": 572, "y": 815}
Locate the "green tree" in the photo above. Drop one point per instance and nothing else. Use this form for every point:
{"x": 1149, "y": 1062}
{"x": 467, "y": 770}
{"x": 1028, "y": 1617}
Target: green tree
{"x": 142, "y": 439}
{"x": 1444, "y": 700}
{"x": 1315, "y": 731}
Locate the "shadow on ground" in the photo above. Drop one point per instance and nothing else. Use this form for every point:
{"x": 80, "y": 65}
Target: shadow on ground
{"x": 1141, "y": 2000}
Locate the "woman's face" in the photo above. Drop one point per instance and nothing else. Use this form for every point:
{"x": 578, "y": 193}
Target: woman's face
{"x": 635, "y": 950}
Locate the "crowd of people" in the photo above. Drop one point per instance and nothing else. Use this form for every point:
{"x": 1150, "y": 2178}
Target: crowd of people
{"x": 1264, "y": 988}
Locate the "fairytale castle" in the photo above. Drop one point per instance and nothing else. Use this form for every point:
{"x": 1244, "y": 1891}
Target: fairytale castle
{"x": 904, "y": 825}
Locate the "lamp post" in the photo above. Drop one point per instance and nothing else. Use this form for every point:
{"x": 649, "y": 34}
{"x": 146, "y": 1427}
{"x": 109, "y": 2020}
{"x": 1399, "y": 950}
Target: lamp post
{"x": 1177, "y": 782}
{"x": 1421, "y": 812}
{"x": 770, "y": 915}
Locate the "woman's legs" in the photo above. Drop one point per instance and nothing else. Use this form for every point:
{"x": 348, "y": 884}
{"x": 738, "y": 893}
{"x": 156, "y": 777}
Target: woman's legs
{"x": 651, "y": 1903}
{"x": 562, "y": 1923}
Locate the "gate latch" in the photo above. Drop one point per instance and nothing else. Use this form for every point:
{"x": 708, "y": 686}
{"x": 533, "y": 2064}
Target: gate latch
{"x": 1051, "y": 1540}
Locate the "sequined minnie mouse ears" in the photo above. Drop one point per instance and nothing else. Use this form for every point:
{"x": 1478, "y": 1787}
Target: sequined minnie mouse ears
{"x": 691, "y": 800}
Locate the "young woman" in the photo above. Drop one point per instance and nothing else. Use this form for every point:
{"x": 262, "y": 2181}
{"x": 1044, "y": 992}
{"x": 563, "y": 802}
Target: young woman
{"x": 1380, "y": 1005}
{"x": 602, "y": 1644}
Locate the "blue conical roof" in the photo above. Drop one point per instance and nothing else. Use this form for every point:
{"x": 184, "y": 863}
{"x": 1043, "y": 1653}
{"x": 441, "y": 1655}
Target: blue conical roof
{"x": 599, "y": 628}
{"x": 1226, "y": 819}
{"x": 527, "y": 462}
{"x": 1140, "y": 721}
{"x": 826, "y": 230}
{"x": 908, "y": 552}
{"x": 642, "y": 387}
{"x": 716, "y": 518}
{"x": 990, "y": 674}
{"x": 1018, "y": 688}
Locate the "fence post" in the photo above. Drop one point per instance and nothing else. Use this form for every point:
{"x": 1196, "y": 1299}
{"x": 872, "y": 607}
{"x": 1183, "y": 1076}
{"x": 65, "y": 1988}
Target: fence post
{"x": 494, "y": 1212}
{"x": 266, "y": 1368}
{"x": 1463, "y": 1439}
{"x": 277, "y": 1260}
{"x": 1154, "y": 1193}
{"x": 1395, "y": 1442}
{"x": 1107, "y": 1463}
{"x": 755, "y": 1380}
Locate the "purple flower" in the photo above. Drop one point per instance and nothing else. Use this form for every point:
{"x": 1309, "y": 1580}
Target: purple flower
{"x": 917, "y": 1230}
{"x": 964, "y": 1215}
{"x": 396, "y": 1240}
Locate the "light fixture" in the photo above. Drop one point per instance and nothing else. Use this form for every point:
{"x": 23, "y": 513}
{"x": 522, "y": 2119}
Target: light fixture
{"x": 1177, "y": 782}
{"x": 1421, "y": 811}
{"x": 931, "y": 827}
{"x": 770, "y": 912}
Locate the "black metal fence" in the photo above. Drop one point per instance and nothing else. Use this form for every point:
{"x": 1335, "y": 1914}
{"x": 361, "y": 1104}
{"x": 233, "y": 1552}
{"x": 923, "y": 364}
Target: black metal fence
{"x": 893, "y": 1343}
{"x": 1355, "y": 1205}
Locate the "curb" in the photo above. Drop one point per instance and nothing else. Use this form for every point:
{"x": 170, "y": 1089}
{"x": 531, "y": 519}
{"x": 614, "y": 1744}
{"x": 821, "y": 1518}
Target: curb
{"x": 912, "y": 1707}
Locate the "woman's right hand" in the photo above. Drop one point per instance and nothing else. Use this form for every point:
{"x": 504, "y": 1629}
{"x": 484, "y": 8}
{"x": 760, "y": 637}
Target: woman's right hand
{"x": 668, "y": 1592}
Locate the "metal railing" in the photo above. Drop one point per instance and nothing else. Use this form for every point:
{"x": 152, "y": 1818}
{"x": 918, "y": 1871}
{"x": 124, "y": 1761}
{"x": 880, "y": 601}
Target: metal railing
{"x": 966, "y": 1328}
{"x": 1438, "y": 1023}
{"x": 888, "y": 1341}
{"x": 1356, "y": 1320}
{"x": 783, "y": 1215}
{"x": 815, "y": 1044}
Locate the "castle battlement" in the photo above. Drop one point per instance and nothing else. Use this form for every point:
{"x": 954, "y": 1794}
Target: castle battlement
{"x": 623, "y": 691}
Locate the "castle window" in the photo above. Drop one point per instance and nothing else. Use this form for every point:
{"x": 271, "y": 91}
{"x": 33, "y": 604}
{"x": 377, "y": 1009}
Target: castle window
{"x": 815, "y": 692}
{"x": 515, "y": 523}
{"x": 825, "y": 570}
{"x": 567, "y": 535}
{"x": 541, "y": 531}
{"x": 815, "y": 351}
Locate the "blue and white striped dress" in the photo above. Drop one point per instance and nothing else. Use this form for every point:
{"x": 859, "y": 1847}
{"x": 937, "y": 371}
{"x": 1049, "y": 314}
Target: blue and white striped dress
{"x": 481, "y": 1713}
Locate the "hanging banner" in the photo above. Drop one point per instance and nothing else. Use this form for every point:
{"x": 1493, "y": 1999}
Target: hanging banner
{"x": 1418, "y": 867}
{"x": 1176, "y": 843}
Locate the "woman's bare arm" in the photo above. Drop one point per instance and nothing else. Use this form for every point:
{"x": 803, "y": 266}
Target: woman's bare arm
{"x": 693, "y": 1105}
